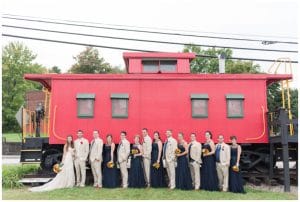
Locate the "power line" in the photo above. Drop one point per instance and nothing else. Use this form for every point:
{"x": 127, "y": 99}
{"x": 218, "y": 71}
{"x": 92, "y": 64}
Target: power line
{"x": 155, "y": 28}
{"x": 127, "y": 49}
{"x": 144, "y": 40}
{"x": 146, "y": 31}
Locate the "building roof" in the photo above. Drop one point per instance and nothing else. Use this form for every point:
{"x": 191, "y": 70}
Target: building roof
{"x": 45, "y": 79}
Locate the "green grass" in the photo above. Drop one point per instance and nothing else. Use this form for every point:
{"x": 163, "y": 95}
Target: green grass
{"x": 15, "y": 137}
{"x": 140, "y": 194}
{"x": 12, "y": 137}
{"x": 11, "y": 174}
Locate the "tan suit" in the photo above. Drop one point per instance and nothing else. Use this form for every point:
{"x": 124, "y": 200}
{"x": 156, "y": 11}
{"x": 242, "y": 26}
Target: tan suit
{"x": 195, "y": 150}
{"x": 223, "y": 166}
{"x": 96, "y": 160}
{"x": 147, "y": 148}
{"x": 123, "y": 153}
{"x": 81, "y": 154}
{"x": 170, "y": 159}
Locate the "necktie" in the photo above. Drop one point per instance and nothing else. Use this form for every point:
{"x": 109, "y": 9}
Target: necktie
{"x": 92, "y": 144}
{"x": 165, "y": 148}
{"x": 190, "y": 158}
{"x": 218, "y": 153}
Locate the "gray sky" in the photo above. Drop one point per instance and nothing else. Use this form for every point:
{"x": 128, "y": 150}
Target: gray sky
{"x": 244, "y": 18}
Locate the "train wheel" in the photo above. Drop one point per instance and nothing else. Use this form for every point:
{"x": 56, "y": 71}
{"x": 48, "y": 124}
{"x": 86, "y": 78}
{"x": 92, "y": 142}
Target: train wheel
{"x": 259, "y": 159}
{"x": 49, "y": 158}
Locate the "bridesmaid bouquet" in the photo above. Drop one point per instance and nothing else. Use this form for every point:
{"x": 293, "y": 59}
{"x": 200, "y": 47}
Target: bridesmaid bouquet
{"x": 134, "y": 151}
{"x": 205, "y": 151}
{"x": 156, "y": 165}
{"x": 110, "y": 164}
{"x": 177, "y": 151}
{"x": 235, "y": 168}
{"x": 57, "y": 167}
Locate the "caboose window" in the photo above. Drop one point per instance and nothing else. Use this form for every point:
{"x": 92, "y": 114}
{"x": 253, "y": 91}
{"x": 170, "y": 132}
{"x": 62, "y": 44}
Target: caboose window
{"x": 85, "y": 105}
{"x": 168, "y": 65}
{"x": 235, "y": 105}
{"x": 119, "y": 105}
{"x": 150, "y": 66}
{"x": 154, "y": 66}
{"x": 199, "y": 105}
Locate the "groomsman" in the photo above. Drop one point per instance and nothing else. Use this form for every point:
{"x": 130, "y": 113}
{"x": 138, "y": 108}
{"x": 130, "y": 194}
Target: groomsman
{"x": 170, "y": 158}
{"x": 147, "y": 148}
{"x": 96, "y": 159}
{"x": 195, "y": 160}
{"x": 81, "y": 153}
{"x": 222, "y": 162}
{"x": 123, "y": 154}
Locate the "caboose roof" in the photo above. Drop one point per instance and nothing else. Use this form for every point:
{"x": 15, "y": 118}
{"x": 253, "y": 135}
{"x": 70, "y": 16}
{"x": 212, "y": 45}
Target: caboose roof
{"x": 46, "y": 79}
{"x": 156, "y": 56}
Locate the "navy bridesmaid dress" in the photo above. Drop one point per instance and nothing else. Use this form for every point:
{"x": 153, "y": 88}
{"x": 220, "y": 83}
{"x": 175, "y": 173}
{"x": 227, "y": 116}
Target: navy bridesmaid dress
{"x": 183, "y": 175}
{"x": 136, "y": 172}
{"x": 110, "y": 175}
{"x": 209, "y": 178}
{"x": 235, "y": 178}
{"x": 156, "y": 175}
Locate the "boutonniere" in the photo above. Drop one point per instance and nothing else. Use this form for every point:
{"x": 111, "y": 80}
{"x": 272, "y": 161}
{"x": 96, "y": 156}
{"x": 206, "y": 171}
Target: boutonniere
{"x": 223, "y": 148}
{"x": 81, "y": 142}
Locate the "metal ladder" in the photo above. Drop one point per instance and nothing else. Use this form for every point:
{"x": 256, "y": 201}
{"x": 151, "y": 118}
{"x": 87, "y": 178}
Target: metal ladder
{"x": 285, "y": 86}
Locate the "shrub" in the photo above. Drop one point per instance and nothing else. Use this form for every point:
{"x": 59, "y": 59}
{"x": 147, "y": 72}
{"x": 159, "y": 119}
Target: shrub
{"x": 11, "y": 174}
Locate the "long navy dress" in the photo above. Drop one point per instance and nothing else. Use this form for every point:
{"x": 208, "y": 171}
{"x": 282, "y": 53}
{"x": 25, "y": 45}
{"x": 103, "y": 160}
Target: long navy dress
{"x": 209, "y": 178}
{"x": 156, "y": 175}
{"x": 110, "y": 175}
{"x": 235, "y": 178}
{"x": 183, "y": 175}
{"x": 136, "y": 172}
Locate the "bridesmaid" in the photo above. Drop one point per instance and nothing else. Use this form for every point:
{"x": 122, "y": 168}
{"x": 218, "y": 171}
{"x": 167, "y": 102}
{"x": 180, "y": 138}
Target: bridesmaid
{"x": 136, "y": 172}
{"x": 157, "y": 175}
{"x": 209, "y": 178}
{"x": 110, "y": 176}
{"x": 183, "y": 175}
{"x": 235, "y": 178}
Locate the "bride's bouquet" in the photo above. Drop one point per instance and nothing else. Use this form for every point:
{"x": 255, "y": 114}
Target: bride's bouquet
{"x": 57, "y": 167}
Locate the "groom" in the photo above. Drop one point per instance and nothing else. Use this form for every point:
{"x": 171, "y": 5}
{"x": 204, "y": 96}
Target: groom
{"x": 81, "y": 153}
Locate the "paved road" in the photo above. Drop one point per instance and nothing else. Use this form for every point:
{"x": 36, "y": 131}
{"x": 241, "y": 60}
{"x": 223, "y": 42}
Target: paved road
{"x": 10, "y": 159}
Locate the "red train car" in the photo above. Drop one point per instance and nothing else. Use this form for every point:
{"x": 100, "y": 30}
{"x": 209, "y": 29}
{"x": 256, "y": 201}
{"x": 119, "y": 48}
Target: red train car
{"x": 158, "y": 92}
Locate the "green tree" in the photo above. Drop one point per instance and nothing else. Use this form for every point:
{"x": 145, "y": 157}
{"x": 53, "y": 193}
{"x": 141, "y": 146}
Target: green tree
{"x": 17, "y": 60}
{"x": 89, "y": 61}
{"x": 211, "y": 65}
{"x": 275, "y": 99}
{"x": 55, "y": 69}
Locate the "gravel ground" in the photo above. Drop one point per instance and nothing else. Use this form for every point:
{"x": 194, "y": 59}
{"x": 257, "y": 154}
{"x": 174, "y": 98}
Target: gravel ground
{"x": 278, "y": 188}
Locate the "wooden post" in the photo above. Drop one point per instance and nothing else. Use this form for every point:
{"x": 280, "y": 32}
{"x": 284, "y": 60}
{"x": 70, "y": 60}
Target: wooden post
{"x": 285, "y": 148}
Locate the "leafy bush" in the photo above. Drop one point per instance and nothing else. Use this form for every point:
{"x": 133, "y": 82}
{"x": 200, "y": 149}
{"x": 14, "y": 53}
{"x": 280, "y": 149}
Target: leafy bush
{"x": 11, "y": 174}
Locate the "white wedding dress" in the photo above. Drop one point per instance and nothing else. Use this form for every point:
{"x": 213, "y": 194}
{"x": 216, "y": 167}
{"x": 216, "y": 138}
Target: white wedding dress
{"x": 64, "y": 179}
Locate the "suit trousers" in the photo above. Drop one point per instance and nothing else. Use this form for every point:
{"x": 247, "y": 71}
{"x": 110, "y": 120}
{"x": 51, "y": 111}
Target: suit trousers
{"x": 171, "y": 173}
{"x": 195, "y": 173}
{"x": 222, "y": 171}
{"x": 124, "y": 174}
{"x": 97, "y": 172}
{"x": 147, "y": 163}
{"x": 80, "y": 172}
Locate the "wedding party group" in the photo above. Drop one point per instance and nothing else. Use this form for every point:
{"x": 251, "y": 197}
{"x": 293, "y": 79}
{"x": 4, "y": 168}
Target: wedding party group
{"x": 188, "y": 164}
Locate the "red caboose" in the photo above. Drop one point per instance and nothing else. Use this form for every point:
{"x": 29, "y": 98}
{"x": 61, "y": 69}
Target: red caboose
{"x": 158, "y": 92}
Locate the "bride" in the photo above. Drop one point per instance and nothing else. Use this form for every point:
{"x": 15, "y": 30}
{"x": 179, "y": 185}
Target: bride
{"x": 66, "y": 177}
